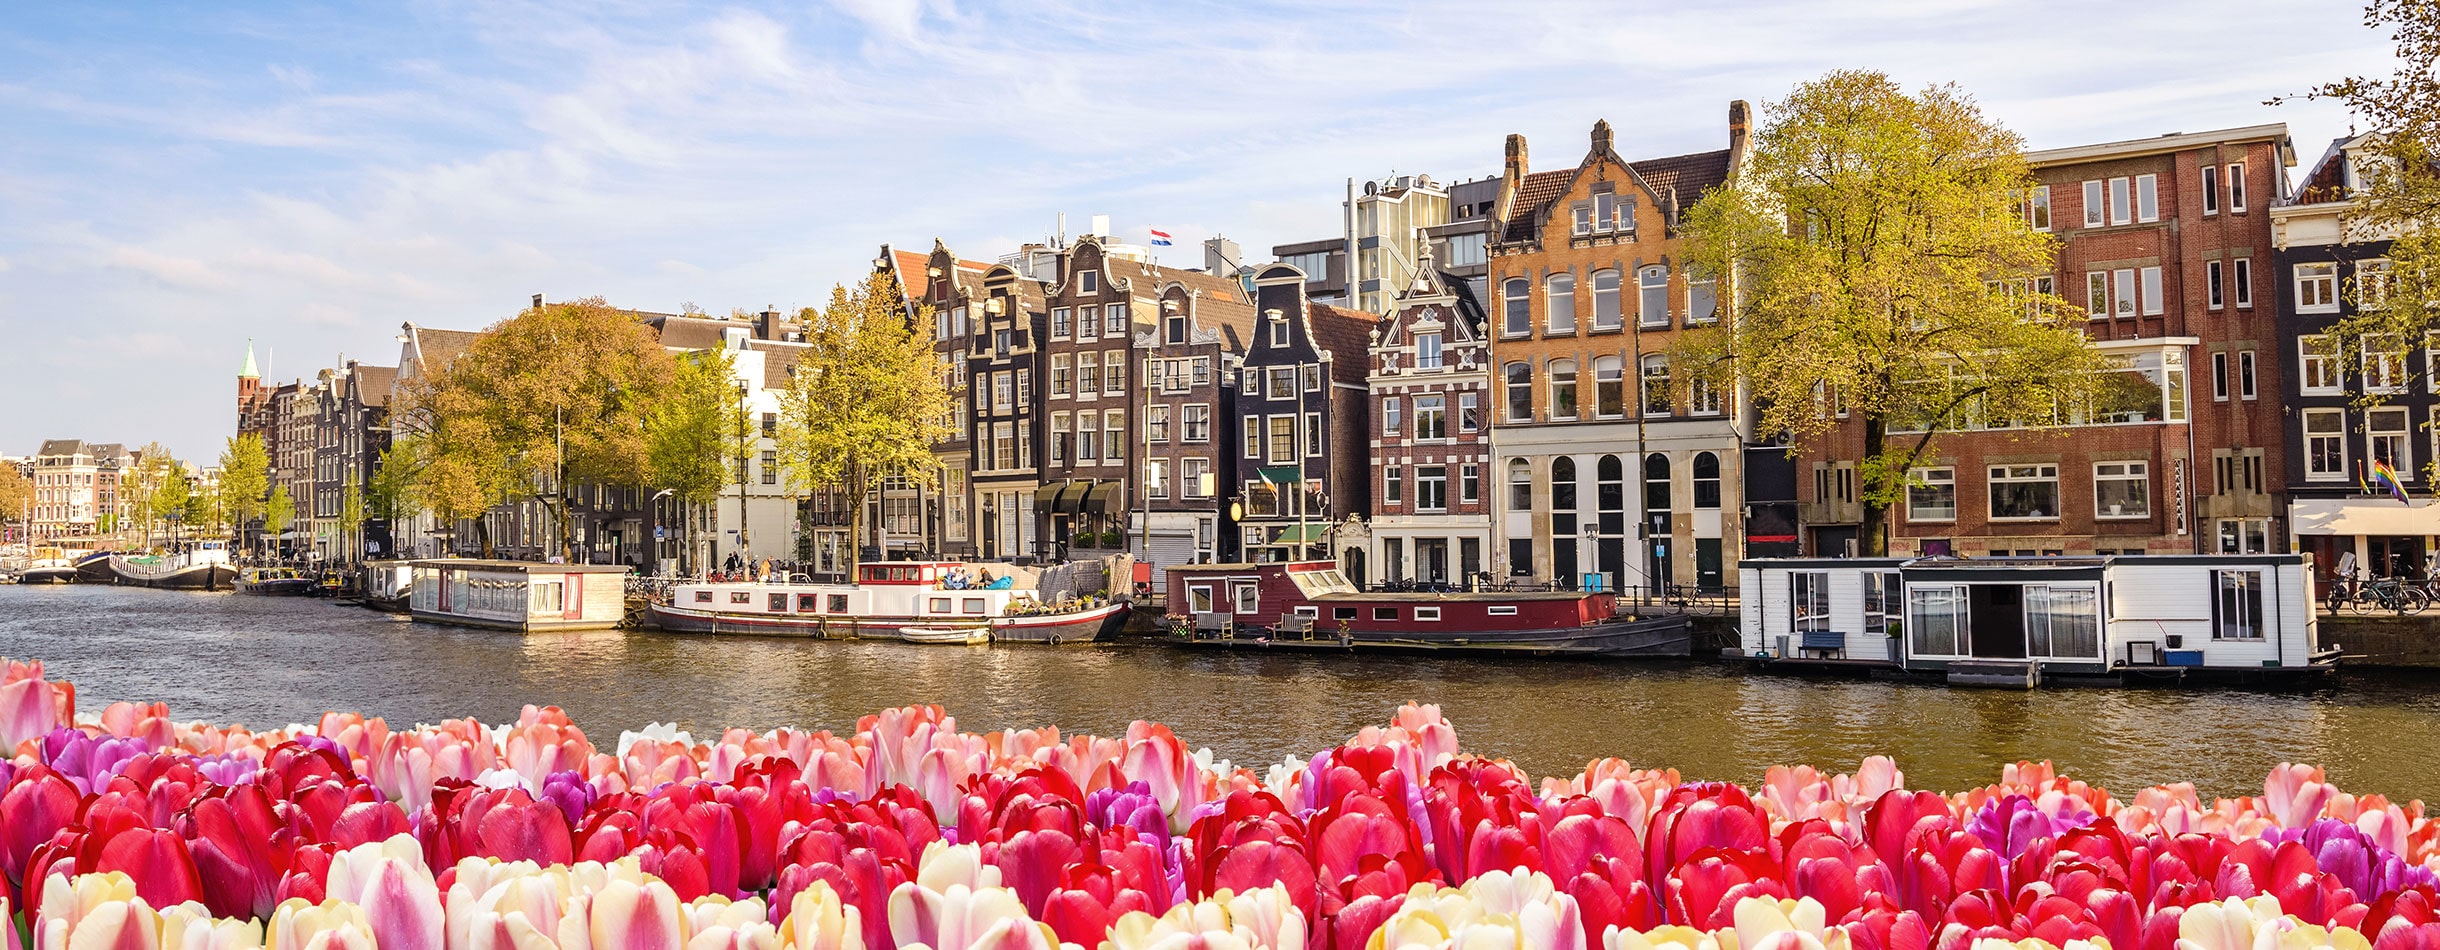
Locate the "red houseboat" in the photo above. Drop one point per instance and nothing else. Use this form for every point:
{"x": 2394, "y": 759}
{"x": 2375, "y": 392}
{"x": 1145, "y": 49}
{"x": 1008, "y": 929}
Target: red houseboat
{"x": 1310, "y": 605}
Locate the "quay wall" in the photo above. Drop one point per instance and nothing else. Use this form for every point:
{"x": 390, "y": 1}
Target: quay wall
{"x": 2384, "y": 642}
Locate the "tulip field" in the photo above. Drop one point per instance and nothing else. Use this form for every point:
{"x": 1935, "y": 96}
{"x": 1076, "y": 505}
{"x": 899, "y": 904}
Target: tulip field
{"x": 128, "y": 830}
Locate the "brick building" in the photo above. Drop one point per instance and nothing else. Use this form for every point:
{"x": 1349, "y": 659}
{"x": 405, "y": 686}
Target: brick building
{"x": 953, "y": 288}
{"x": 1612, "y": 468}
{"x": 1190, "y": 364}
{"x": 2163, "y": 240}
{"x": 1431, "y": 447}
{"x": 1006, "y": 421}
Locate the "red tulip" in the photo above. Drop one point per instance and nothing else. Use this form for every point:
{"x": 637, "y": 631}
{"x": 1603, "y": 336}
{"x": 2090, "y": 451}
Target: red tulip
{"x": 158, "y": 861}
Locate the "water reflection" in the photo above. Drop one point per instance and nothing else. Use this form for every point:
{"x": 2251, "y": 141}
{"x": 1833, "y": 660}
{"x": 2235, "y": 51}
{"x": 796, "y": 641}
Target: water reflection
{"x": 271, "y": 661}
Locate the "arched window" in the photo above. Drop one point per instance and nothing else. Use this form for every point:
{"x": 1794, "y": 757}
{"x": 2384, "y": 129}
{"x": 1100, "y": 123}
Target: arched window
{"x": 1520, "y": 485}
{"x": 1653, "y": 282}
{"x": 1656, "y": 485}
{"x": 1656, "y": 385}
{"x": 1563, "y": 389}
{"x": 1610, "y": 478}
{"x": 1520, "y": 392}
{"x": 1605, "y": 300}
{"x": 1559, "y": 301}
{"x": 1515, "y": 309}
{"x": 1563, "y": 484}
{"x": 1706, "y": 480}
{"x": 1609, "y": 387}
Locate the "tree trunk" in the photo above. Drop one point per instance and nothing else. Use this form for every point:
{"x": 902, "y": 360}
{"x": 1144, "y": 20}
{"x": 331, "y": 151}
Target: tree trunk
{"x": 1872, "y": 536}
{"x": 565, "y": 515}
{"x": 482, "y": 535}
{"x": 856, "y": 522}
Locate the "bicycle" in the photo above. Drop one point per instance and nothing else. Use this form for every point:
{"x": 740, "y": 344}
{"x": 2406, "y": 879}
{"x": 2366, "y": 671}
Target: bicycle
{"x": 2393, "y": 594}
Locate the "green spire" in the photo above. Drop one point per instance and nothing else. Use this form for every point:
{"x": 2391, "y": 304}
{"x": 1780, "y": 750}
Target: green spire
{"x": 248, "y": 371}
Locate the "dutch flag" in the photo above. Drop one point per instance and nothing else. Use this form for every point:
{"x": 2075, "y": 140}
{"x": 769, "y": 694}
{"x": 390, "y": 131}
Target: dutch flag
{"x": 1159, "y": 238}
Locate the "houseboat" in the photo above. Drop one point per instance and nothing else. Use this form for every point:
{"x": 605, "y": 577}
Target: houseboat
{"x": 203, "y": 565}
{"x": 518, "y": 595}
{"x": 1311, "y": 605}
{"x": 275, "y": 581}
{"x": 49, "y": 564}
{"x": 94, "y": 568}
{"x": 2022, "y": 622}
{"x": 915, "y": 601}
{"x": 386, "y": 584}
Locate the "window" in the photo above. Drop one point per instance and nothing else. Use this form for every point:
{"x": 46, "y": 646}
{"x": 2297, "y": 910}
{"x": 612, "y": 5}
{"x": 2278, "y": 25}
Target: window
{"x": 1520, "y": 485}
{"x": 2236, "y": 610}
{"x": 1520, "y": 392}
{"x": 2063, "y": 621}
{"x": 2244, "y": 535}
{"x": 1469, "y": 483}
{"x": 2097, "y": 294}
{"x": 1283, "y": 439}
{"x": 2317, "y": 288}
{"x": 1279, "y": 331}
{"x": 1243, "y": 595}
{"x": 1427, "y": 351}
{"x": 2213, "y": 285}
{"x": 1390, "y": 417}
{"x": 1114, "y": 436}
{"x": 1282, "y": 382}
{"x": 2024, "y": 492}
{"x": 1088, "y": 440}
{"x": 1652, "y": 296}
{"x": 2372, "y": 284}
{"x": 2384, "y": 364}
{"x": 1253, "y": 437}
{"x": 2316, "y": 372}
{"x": 1114, "y": 373}
{"x": 1025, "y": 385}
{"x": 1313, "y": 433}
{"x": 1196, "y": 420}
{"x": 2152, "y": 302}
{"x": 1809, "y": 601}
{"x": 770, "y": 425}
{"x": 1559, "y": 303}
{"x": 1563, "y": 389}
{"x": 1002, "y": 395}
{"x": 2219, "y": 377}
{"x": 2122, "y": 490}
{"x": 1059, "y": 323}
{"x": 1393, "y": 486}
{"x": 1469, "y": 411}
{"x": 2147, "y": 198}
{"x": 1061, "y": 375}
{"x": 1203, "y": 370}
{"x": 2236, "y": 187}
{"x": 2092, "y": 205}
{"x": 1516, "y": 309}
{"x": 1088, "y": 374}
{"x": 2245, "y": 374}
{"x": 2385, "y": 434}
{"x": 2241, "y": 272}
{"x": 1706, "y": 480}
{"x": 1703, "y": 296}
{"x": 1156, "y": 423}
{"x": 2123, "y": 302}
{"x": 1194, "y": 472}
{"x": 2325, "y": 445}
{"x": 1313, "y": 377}
{"x": 1605, "y": 300}
{"x": 2211, "y": 190}
{"x": 2118, "y": 202}
{"x": 1703, "y": 399}
{"x": 1173, "y": 329}
{"x": 1427, "y": 613}
{"x": 1431, "y": 417}
{"x": 1431, "y": 488}
{"x": 1584, "y": 218}
{"x": 1605, "y": 212}
{"x": 1156, "y": 478}
{"x": 1931, "y": 494}
{"x": 1114, "y": 320}
{"x": 1087, "y": 328}
{"x": 1881, "y": 602}
{"x": 1609, "y": 387}
{"x": 2037, "y": 208}
{"x": 1088, "y": 281}
{"x": 1656, "y": 385}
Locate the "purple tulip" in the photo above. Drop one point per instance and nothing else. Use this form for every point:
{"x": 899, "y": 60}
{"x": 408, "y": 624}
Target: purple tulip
{"x": 568, "y": 790}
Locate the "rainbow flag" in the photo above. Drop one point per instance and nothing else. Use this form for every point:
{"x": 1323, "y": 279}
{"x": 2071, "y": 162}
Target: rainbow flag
{"x": 2387, "y": 477}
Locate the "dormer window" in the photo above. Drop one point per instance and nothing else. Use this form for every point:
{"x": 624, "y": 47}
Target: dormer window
{"x": 1088, "y": 281}
{"x": 1176, "y": 332}
{"x": 1279, "y": 329}
{"x": 1605, "y": 213}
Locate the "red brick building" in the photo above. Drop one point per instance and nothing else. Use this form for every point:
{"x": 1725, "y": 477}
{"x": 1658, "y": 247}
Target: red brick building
{"x": 1431, "y": 434}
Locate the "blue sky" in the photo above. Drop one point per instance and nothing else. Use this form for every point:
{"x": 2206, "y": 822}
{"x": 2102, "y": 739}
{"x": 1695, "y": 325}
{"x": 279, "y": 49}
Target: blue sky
{"x": 174, "y": 182}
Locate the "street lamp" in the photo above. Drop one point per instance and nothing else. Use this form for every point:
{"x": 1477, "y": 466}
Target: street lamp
{"x": 1592, "y": 552}
{"x": 655, "y": 506}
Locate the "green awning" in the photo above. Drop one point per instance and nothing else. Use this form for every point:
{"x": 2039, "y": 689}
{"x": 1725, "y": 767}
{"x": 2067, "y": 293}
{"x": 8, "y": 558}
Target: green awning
{"x": 1104, "y": 498}
{"x": 1282, "y": 474}
{"x": 1070, "y": 499}
{"x": 1302, "y": 534}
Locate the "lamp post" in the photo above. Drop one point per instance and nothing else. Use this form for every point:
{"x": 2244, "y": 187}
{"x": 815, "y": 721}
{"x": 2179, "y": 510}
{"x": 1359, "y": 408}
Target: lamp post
{"x": 1592, "y": 551}
{"x": 655, "y": 506}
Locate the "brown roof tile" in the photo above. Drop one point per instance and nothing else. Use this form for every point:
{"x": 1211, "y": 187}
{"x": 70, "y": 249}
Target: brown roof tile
{"x": 373, "y": 383}
{"x": 1690, "y": 175}
{"x": 1346, "y": 335}
{"x": 777, "y": 361}
{"x": 694, "y": 333}
{"x": 438, "y": 347}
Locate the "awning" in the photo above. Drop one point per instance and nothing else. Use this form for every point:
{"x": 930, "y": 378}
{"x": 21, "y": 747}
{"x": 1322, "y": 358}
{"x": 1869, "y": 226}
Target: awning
{"x": 2367, "y": 516}
{"x": 1302, "y": 534}
{"x": 1282, "y": 474}
{"x": 1071, "y": 498}
{"x": 1104, "y": 498}
{"x": 1044, "y": 497}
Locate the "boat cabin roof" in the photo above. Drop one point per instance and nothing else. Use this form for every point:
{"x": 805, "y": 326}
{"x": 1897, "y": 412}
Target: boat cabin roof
{"x": 517, "y": 567}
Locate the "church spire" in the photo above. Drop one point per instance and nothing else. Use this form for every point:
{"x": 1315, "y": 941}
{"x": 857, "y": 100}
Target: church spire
{"x": 248, "y": 371}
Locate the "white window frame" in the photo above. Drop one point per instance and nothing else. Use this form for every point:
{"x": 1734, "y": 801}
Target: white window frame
{"x": 2037, "y": 208}
{"x": 1997, "y": 475}
{"x": 2095, "y": 214}
{"x": 2383, "y": 372}
{"x": 2252, "y": 618}
{"x": 2236, "y": 187}
{"x": 2401, "y": 439}
{"x": 2245, "y": 375}
{"x": 2211, "y": 190}
{"x": 1391, "y": 418}
{"x": 2312, "y": 364}
{"x": 2122, "y": 201}
{"x": 2147, "y": 198}
{"x": 2097, "y": 295}
{"x": 1552, "y": 298}
{"x": 1931, "y": 478}
{"x": 2154, "y": 294}
{"x": 2316, "y": 287}
{"x": 2241, "y": 274}
{"x": 2122, "y": 471}
{"x": 2336, "y": 432}
{"x": 2215, "y": 283}
{"x": 2122, "y": 292}
{"x": 2219, "y": 376}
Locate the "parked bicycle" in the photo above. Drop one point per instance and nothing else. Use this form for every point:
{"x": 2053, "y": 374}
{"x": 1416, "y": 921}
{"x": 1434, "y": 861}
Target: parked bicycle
{"x": 2354, "y": 593}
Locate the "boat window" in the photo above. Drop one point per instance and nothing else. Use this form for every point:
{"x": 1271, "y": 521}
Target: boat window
{"x": 974, "y": 605}
{"x": 1308, "y": 611}
{"x": 2236, "y": 606}
{"x": 838, "y": 603}
{"x": 1199, "y": 598}
{"x": 741, "y": 597}
{"x": 1427, "y": 613}
{"x": 1936, "y": 615}
{"x": 1245, "y": 596}
{"x": 1501, "y": 611}
{"x": 2063, "y": 621}
{"x": 778, "y": 603}
{"x": 1385, "y": 613}
{"x": 1809, "y": 600}
{"x": 1343, "y": 613}
{"x": 940, "y": 605}
{"x": 703, "y": 597}
{"x": 808, "y": 603}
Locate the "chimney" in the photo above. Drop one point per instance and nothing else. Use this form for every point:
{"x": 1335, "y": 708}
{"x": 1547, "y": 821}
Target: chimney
{"x": 1512, "y": 177}
{"x": 1601, "y": 136}
{"x": 768, "y": 327}
{"x": 537, "y": 301}
{"x": 1736, "y": 127}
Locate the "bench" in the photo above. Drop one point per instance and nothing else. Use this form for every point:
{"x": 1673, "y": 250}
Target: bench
{"x": 1822, "y": 642}
{"x": 1214, "y": 622}
{"x": 1299, "y": 626}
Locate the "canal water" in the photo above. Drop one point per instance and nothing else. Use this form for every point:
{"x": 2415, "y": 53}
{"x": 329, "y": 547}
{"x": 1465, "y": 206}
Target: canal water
{"x": 271, "y": 661}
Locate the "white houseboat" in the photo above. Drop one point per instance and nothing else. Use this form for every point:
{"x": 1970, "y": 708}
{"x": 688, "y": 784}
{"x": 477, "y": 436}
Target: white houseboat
{"x": 917, "y": 601}
{"x": 518, "y": 595}
{"x": 203, "y": 565}
{"x": 2024, "y": 621}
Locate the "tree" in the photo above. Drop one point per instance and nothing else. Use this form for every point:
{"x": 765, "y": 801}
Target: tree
{"x": 351, "y": 518}
{"x": 2399, "y": 201}
{"x": 1876, "y": 257}
{"x": 16, "y": 496}
{"x": 142, "y": 488}
{"x": 867, "y": 401}
{"x": 245, "y": 477}
{"x": 542, "y": 401}
{"x": 692, "y": 430}
{"x": 201, "y": 499}
{"x": 278, "y": 511}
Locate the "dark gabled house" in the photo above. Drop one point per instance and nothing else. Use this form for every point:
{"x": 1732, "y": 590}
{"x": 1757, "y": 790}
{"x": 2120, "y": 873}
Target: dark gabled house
{"x": 1302, "y": 465}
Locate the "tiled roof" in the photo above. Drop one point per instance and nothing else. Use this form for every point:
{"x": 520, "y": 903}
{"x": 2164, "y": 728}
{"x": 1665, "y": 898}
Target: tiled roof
{"x": 1533, "y": 194}
{"x": 2328, "y": 179}
{"x": 1346, "y": 335}
{"x": 777, "y": 362}
{"x": 911, "y": 276}
{"x": 373, "y": 383}
{"x": 438, "y": 347}
{"x": 1690, "y": 175}
{"x": 694, "y": 333}
{"x": 62, "y": 446}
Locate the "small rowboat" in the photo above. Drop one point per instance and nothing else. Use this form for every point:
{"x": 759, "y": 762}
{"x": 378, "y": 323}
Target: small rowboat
{"x": 945, "y": 634}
